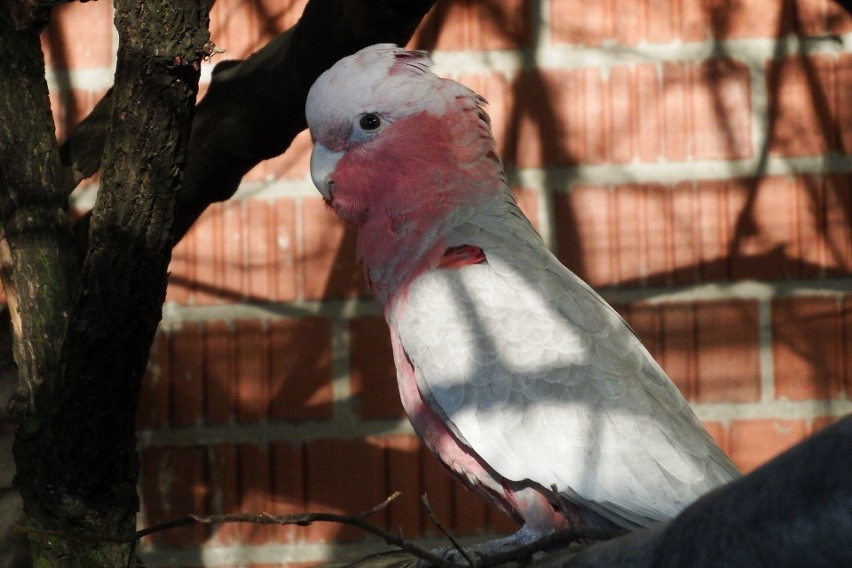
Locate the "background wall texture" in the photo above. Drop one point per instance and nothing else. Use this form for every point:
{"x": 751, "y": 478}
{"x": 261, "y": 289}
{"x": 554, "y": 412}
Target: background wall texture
{"x": 690, "y": 159}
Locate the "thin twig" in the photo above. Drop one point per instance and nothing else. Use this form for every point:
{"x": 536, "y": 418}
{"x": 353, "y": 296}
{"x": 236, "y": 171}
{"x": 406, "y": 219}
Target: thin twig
{"x": 380, "y": 506}
{"x": 434, "y": 518}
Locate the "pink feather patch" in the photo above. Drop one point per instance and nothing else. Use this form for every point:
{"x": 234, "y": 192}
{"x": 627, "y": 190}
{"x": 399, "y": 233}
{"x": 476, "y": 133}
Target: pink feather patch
{"x": 461, "y": 256}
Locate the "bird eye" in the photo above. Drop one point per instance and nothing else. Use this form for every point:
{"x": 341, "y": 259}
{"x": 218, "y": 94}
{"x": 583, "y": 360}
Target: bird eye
{"x": 370, "y": 121}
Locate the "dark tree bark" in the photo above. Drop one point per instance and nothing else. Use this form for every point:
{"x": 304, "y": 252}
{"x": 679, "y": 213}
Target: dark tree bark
{"x": 75, "y": 449}
{"x": 38, "y": 270}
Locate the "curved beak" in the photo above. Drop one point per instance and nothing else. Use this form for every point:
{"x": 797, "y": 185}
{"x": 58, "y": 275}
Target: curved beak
{"x": 323, "y": 163}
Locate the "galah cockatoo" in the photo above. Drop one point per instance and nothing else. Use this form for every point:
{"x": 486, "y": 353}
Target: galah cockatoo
{"x": 521, "y": 379}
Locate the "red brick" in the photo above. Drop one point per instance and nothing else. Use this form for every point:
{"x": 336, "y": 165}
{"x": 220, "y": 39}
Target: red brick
{"x": 818, "y": 18}
{"x": 678, "y": 357}
{"x": 437, "y": 485}
{"x": 238, "y": 251}
{"x": 719, "y": 433}
{"x": 809, "y": 229}
{"x": 288, "y": 487}
{"x": 584, "y": 233}
{"x": 328, "y": 254}
{"x": 677, "y": 127}
{"x": 402, "y": 457}
{"x": 173, "y": 485}
{"x": 252, "y": 371}
{"x": 806, "y": 336}
{"x": 300, "y": 369}
{"x": 737, "y": 19}
{"x": 596, "y": 121}
{"x": 499, "y": 522}
{"x": 686, "y": 234}
{"x": 838, "y": 224}
{"x": 70, "y": 107}
{"x": 225, "y": 495}
{"x": 844, "y": 97}
{"x": 241, "y": 26}
{"x": 472, "y": 25}
{"x": 372, "y": 372}
{"x": 233, "y": 227}
{"x": 79, "y": 36}
{"x": 802, "y": 102}
{"x": 181, "y": 269}
{"x": 470, "y": 512}
{"x": 630, "y": 22}
{"x": 631, "y": 245}
{"x": 754, "y": 442}
{"x": 187, "y": 375}
{"x": 552, "y": 118}
{"x": 153, "y": 407}
{"x": 706, "y": 110}
{"x": 622, "y": 131}
{"x": 260, "y": 251}
{"x": 206, "y": 257}
{"x": 647, "y": 323}
{"x": 748, "y": 228}
{"x": 846, "y": 347}
{"x": 581, "y": 23}
{"x": 500, "y": 91}
{"x": 255, "y": 490}
{"x": 663, "y": 21}
{"x": 728, "y": 351}
{"x": 763, "y": 218}
{"x": 837, "y": 20}
{"x": 821, "y": 422}
{"x": 345, "y": 477}
{"x": 220, "y": 372}
{"x": 721, "y": 110}
{"x": 648, "y": 113}
{"x": 528, "y": 201}
{"x": 656, "y": 211}
{"x": 286, "y": 272}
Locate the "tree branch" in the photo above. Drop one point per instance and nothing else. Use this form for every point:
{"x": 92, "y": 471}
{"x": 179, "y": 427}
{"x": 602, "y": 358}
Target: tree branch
{"x": 358, "y": 521}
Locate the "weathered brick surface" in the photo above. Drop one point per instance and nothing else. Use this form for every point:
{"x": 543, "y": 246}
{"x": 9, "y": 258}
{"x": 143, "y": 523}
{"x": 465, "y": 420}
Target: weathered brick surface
{"x": 245, "y": 371}
{"x": 473, "y": 25}
{"x": 347, "y": 477}
{"x": 372, "y": 371}
{"x": 79, "y": 36}
{"x": 709, "y": 349}
{"x": 774, "y": 227}
{"x": 806, "y": 338}
{"x": 806, "y": 118}
{"x": 753, "y": 442}
{"x": 629, "y": 23}
{"x": 242, "y": 27}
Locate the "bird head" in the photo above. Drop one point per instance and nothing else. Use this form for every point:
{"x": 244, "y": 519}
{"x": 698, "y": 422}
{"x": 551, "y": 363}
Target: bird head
{"x": 392, "y": 140}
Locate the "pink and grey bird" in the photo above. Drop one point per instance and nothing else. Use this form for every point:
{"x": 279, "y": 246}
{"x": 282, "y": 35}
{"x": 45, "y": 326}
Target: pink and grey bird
{"x": 512, "y": 370}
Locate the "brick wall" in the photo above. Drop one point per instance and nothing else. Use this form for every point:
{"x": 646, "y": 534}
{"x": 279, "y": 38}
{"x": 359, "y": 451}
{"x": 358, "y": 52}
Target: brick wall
{"x": 691, "y": 159}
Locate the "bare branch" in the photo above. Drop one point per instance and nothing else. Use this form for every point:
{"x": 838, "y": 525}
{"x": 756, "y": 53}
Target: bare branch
{"x": 437, "y": 522}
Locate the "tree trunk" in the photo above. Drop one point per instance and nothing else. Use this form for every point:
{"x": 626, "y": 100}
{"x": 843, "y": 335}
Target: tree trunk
{"x": 75, "y": 450}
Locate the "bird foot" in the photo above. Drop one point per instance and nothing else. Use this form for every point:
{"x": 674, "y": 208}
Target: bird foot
{"x": 489, "y": 548}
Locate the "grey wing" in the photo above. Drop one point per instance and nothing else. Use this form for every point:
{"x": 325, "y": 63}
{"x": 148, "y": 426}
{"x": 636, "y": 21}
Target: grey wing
{"x": 542, "y": 379}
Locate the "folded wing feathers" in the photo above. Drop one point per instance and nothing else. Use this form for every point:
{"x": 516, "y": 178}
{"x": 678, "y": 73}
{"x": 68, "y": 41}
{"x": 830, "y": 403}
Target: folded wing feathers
{"x": 546, "y": 382}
